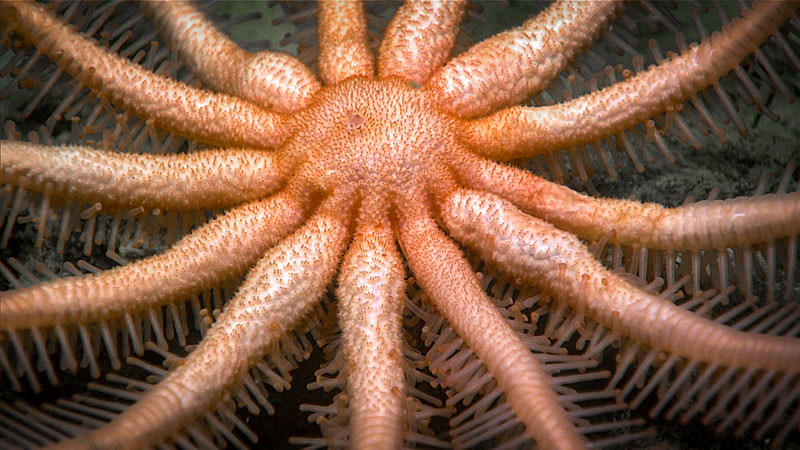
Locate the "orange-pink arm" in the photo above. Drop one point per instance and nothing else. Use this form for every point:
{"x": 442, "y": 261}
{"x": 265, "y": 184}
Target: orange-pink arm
{"x": 371, "y": 293}
{"x": 703, "y": 225}
{"x": 220, "y": 250}
{"x": 510, "y": 67}
{"x": 556, "y": 261}
{"x": 419, "y": 39}
{"x": 343, "y": 47}
{"x": 452, "y": 287}
{"x": 194, "y": 113}
{"x": 525, "y": 131}
{"x": 278, "y": 292}
{"x": 202, "y": 180}
{"x": 273, "y": 80}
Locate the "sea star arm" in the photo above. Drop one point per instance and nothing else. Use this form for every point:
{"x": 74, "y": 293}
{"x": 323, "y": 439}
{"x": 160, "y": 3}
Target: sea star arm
{"x": 202, "y": 180}
{"x": 371, "y": 292}
{"x": 208, "y": 117}
{"x": 419, "y": 39}
{"x": 515, "y": 64}
{"x": 524, "y": 131}
{"x": 343, "y": 48}
{"x": 734, "y": 222}
{"x": 445, "y": 276}
{"x": 277, "y": 293}
{"x": 273, "y": 80}
{"x": 537, "y": 252}
{"x": 220, "y": 250}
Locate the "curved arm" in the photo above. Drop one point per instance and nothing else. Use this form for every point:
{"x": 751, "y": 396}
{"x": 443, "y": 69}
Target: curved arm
{"x": 523, "y": 132}
{"x": 201, "y": 180}
{"x": 276, "y": 81}
{"x": 419, "y": 39}
{"x": 343, "y": 47}
{"x": 220, "y": 250}
{"x": 277, "y": 293}
{"x": 448, "y": 280}
{"x": 510, "y": 67}
{"x": 718, "y": 224}
{"x": 212, "y": 118}
{"x": 534, "y": 251}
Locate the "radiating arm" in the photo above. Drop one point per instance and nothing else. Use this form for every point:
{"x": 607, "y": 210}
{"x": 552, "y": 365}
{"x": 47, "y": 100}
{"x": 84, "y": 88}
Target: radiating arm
{"x": 419, "y": 39}
{"x": 202, "y": 180}
{"x": 708, "y": 224}
{"x": 445, "y": 276}
{"x": 276, "y": 81}
{"x": 371, "y": 292}
{"x": 510, "y": 67}
{"x": 519, "y": 132}
{"x": 220, "y": 250}
{"x": 194, "y": 113}
{"x": 343, "y": 47}
{"x": 538, "y": 253}
{"x": 277, "y": 293}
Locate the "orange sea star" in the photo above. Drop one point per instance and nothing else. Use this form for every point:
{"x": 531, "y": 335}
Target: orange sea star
{"x": 336, "y": 182}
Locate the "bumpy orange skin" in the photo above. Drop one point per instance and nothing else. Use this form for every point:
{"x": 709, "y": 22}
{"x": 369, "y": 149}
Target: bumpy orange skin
{"x": 389, "y": 152}
{"x": 383, "y": 137}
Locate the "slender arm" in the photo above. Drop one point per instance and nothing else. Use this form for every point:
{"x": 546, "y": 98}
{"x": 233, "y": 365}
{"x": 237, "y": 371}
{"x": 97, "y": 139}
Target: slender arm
{"x": 717, "y": 224}
{"x": 211, "y": 118}
{"x": 419, "y": 39}
{"x": 510, "y": 67}
{"x": 371, "y": 293}
{"x": 449, "y": 282}
{"x": 520, "y": 132}
{"x": 276, "y": 81}
{"x": 277, "y": 293}
{"x": 537, "y": 252}
{"x": 343, "y": 47}
{"x": 220, "y": 250}
{"x": 201, "y": 180}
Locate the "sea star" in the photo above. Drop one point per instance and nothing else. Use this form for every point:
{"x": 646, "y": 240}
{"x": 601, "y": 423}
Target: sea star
{"x": 346, "y": 178}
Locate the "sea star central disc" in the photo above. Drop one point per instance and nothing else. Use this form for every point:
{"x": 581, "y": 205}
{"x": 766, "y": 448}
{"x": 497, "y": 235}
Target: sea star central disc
{"x": 384, "y": 136}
